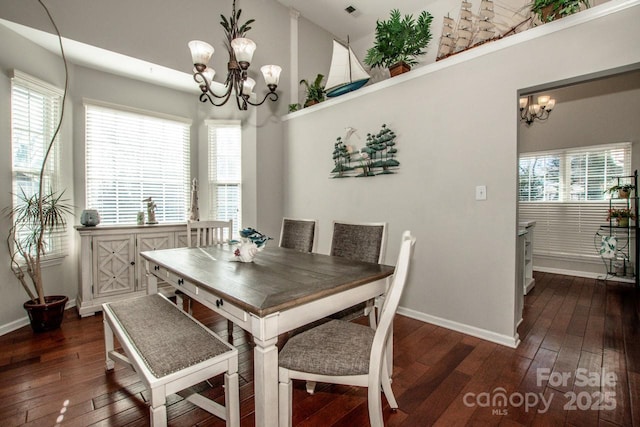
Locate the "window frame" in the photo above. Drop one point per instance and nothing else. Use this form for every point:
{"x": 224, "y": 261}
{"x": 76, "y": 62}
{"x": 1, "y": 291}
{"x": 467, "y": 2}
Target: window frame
{"x": 126, "y": 132}
{"x": 57, "y": 241}
{"x": 214, "y": 182}
{"x": 566, "y": 227}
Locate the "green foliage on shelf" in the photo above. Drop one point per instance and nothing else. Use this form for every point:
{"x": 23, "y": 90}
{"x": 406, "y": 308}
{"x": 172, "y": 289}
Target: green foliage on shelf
{"x": 400, "y": 39}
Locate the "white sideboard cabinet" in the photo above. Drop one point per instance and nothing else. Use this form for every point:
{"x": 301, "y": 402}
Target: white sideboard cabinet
{"x": 528, "y": 280}
{"x": 111, "y": 267}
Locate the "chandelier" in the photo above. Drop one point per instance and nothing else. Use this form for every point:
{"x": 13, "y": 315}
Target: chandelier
{"x": 530, "y": 111}
{"x": 237, "y": 82}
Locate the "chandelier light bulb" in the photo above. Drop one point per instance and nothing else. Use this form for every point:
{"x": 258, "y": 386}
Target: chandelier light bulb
{"x": 271, "y": 74}
{"x": 243, "y": 48}
{"x": 201, "y": 53}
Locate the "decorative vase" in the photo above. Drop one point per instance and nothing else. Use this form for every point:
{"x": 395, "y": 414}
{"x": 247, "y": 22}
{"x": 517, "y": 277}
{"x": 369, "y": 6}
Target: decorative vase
{"x": 399, "y": 68}
{"x": 245, "y": 252}
{"x": 47, "y": 316}
{"x": 90, "y": 218}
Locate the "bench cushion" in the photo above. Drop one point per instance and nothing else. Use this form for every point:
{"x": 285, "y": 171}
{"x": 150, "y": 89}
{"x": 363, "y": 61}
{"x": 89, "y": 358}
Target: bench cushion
{"x": 166, "y": 338}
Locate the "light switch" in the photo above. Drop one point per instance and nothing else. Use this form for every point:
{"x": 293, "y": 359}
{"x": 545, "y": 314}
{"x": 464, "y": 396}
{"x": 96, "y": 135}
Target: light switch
{"x": 481, "y": 192}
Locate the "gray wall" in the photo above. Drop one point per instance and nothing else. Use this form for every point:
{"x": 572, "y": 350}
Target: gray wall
{"x": 457, "y": 128}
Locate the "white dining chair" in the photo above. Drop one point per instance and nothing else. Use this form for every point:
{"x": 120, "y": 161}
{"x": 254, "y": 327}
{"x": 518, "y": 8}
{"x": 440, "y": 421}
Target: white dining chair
{"x": 359, "y": 241}
{"x": 342, "y": 352}
{"x": 298, "y": 234}
{"x": 206, "y": 233}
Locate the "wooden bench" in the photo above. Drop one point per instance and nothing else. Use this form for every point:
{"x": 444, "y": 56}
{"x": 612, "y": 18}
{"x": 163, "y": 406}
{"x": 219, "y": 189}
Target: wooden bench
{"x": 171, "y": 351}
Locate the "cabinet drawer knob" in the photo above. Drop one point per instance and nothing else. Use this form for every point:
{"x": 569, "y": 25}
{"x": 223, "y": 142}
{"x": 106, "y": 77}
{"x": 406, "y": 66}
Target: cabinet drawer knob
{"x": 219, "y": 302}
{"x": 156, "y": 267}
{"x": 180, "y": 281}
{"x": 133, "y": 263}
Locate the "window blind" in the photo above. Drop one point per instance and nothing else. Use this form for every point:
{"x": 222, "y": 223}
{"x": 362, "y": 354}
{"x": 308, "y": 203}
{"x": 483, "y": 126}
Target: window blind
{"x": 131, "y": 156}
{"x": 564, "y": 191}
{"x": 225, "y": 171}
{"x": 35, "y": 111}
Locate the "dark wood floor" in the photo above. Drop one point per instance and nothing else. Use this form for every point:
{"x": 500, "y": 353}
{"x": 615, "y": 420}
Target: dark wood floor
{"x": 578, "y": 329}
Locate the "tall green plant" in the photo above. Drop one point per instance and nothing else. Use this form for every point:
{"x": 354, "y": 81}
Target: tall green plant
{"x": 400, "y": 39}
{"x": 35, "y": 217}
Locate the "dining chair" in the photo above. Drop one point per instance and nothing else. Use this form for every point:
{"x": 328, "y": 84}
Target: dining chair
{"x": 341, "y": 352}
{"x": 359, "y": 241}
{"x": 298, "y": 234}
{"x": 206, "y": 233}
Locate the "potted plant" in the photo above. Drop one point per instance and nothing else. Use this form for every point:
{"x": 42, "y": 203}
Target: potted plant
{"x": 624, "y": 190}
{"x": 620, "y": 217}
{"x": 34, "y": 218}
{"x": 399, "y": 41}
{"x": 549, "y": 10}
{"x": 314, "y": 91}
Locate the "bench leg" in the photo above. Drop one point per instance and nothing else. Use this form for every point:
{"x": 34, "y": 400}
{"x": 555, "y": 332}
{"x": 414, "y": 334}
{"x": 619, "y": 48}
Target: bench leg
{"x": 232, "y": 399}
{"x": 158, "y": 410}
{"x": 108, "y": 345}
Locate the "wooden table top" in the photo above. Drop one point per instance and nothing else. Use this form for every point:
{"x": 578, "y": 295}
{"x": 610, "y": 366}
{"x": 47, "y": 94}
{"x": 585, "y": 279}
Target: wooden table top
{"x": 277, "y": 279}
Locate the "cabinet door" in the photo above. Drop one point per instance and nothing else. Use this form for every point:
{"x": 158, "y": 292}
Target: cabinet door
{"x": 150, "y": 242}
{"x": 114, "y": 261}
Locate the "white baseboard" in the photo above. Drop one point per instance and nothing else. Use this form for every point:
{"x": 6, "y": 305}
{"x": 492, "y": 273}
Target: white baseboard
{"x": 576, "y": 273}
{"x": 24, "y": 321}
{"x": 461, "y": 327}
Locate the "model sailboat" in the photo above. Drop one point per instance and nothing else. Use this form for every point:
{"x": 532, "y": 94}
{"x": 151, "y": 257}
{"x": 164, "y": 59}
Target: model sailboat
{"x": 346, "y": 73}
{"x": 471, "y": 30}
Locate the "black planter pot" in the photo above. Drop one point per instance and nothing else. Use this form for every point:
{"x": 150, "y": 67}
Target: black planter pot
{"x": 47, "y": 316}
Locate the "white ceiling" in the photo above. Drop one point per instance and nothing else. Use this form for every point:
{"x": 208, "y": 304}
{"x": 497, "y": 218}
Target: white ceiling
{"x": 331, "y": 14}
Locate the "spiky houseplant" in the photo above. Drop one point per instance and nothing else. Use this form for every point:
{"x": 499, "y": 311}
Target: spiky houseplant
{"x": 400, "y": 39}
{"x": 36, "y": 216}
{"x": 314, "y": 91}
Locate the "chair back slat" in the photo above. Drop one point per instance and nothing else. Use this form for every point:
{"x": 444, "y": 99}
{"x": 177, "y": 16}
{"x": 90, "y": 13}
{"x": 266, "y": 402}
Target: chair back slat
{"x": 208, "y": 233}
{"x": 364, "y": 241}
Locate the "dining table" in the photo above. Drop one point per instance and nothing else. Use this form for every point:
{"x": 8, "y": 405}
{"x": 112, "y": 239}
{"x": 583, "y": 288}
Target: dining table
{"x": 279, "y": 291}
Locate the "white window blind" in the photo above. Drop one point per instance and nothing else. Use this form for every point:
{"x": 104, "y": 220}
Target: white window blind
{"x": 225, "y": 171}
{"x": 564, "y": 191}
{"x": 132, "y": 155}
{"x": 35, "y": 112}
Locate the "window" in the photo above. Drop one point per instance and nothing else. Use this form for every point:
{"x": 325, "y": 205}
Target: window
{"x": 132, "y": 155}
{"x": 225, "y": 172}
{"x": 35, "y": 111}
{"x": 564, "y": 191}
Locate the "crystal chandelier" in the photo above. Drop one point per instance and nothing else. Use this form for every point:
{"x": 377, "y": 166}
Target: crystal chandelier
{"x": 540, "y": 111}
{"x": 237, "y": 82}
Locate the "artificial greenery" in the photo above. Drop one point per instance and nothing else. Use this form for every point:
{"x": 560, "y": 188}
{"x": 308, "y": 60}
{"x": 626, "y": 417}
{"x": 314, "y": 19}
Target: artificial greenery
{"x": 294, "y": 107}
{"x": 400, "y": 39}
{"x": 230, "y": 26}
{"x": 625, "y": 188}
{"x": 549, "y": 10}
{"x": 315, "y": 91}
{"x": 621, "y": 213}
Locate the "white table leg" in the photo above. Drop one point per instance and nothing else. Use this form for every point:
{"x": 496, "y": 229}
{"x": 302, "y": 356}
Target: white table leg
{"x": 266, "y": 382}
{"x": 152, "y": 281}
